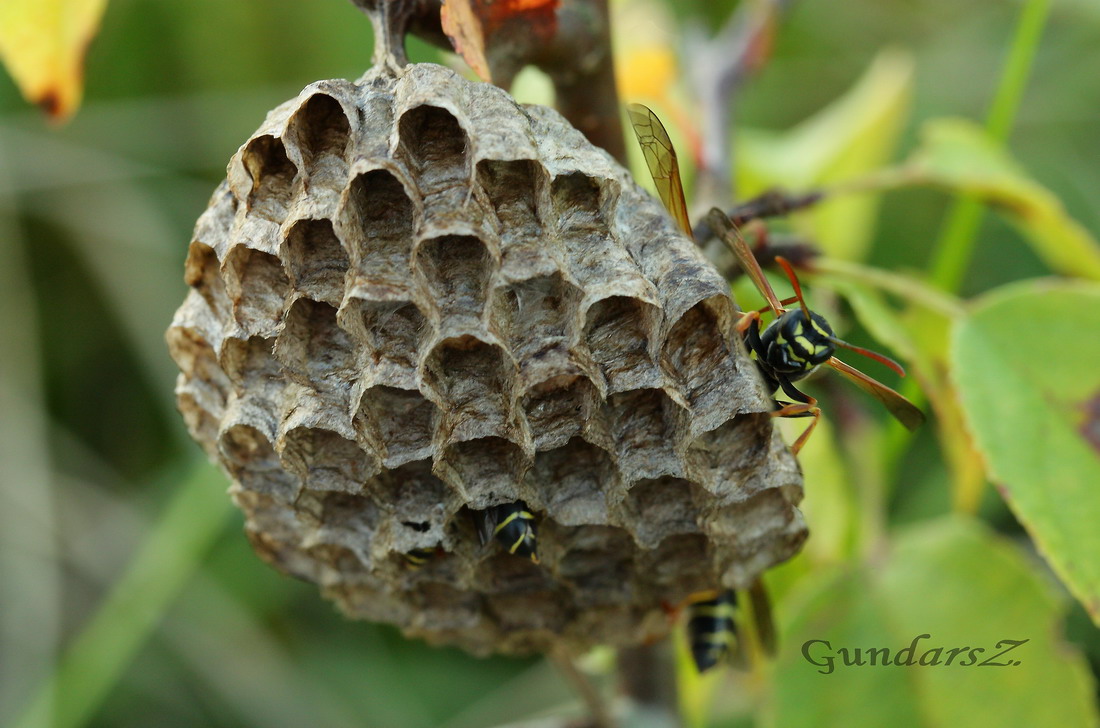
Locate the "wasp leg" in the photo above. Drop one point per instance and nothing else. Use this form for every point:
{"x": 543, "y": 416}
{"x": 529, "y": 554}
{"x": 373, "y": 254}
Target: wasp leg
{"x": 805, "y": 406}
{"x": 794, "y": 411}
{"x": 749, "y": 326}
{"x": 672, "y": 611}
{"x": 800, "y": 410}
{"x": 783, "y": 302}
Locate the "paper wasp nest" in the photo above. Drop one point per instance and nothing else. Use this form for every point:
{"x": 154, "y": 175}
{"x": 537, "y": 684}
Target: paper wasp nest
{"x": 413, "y": 300}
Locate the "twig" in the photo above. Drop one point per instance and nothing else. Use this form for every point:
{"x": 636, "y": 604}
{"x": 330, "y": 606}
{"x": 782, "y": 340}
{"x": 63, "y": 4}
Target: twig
{"x": 645, "y": 676}
{"x": 717, "y": 69}
{"x": 582, "y": 67}
{"x": 597, "y": 706}
{"x": 773, "y": 203}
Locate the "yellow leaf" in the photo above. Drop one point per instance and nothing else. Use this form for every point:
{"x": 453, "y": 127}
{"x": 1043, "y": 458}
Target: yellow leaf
{"x": 43, "y": 43}
{"x": 645, "y": 61}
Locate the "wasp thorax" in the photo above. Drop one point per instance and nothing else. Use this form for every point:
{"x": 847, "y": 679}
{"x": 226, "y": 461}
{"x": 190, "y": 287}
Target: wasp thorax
{"x": 417, "y": 306}
{"x": 795, "y": 344}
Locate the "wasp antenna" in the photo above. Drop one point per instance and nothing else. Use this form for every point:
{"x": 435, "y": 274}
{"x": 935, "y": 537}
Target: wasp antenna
{"x": 880, "y": 358}
{"x": 785, "y": 264}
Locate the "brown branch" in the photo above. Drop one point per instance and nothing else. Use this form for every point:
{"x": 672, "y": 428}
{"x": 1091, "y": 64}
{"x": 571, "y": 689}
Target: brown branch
{"x": 582, "y": 67}
{"x": 577, "y": 58}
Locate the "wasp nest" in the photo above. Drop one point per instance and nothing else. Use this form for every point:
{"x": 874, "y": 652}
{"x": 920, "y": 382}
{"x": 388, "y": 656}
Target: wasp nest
{"x": 415, "y": 300}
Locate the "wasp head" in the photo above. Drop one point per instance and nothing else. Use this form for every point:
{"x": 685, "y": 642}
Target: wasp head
{"x": 806, "y": 340}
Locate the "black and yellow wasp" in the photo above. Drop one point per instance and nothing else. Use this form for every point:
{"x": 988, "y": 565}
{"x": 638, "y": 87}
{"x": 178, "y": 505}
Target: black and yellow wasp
{"x": 513, "y": 526}
{"x": 798, "y": 340}
{"x": 416, "y": 558}
{"x": 712, "y": 629}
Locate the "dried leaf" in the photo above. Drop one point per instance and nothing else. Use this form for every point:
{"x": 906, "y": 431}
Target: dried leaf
{"x": 477, "y": 27}
{"x": 43, "y": 43}
{"x": 466, "y": 33}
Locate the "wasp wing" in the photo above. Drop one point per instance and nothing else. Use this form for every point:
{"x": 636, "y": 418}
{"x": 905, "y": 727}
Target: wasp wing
{"x": 660, "y": 157}
{"x": 731, "y": 236}
{"x": 905, "y": 411}
{"x": 762, "y": 617}
{"x": 485, "y": 522}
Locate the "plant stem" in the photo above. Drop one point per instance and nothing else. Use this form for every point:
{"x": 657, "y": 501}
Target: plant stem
{"x": 914, "y": 291}
{"x": 646, "y": 677}
{"x": 959, "y": 234}
{"x": 30, "y": 574}
{"x": 590, "y": 694}
{"x": 582, "y": 67}
{"x": 716, "y": 70}
{"x": 955, "y": 246}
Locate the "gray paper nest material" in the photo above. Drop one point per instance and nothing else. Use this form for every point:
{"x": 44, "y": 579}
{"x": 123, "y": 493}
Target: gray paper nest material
{"x": 414, "y": 299}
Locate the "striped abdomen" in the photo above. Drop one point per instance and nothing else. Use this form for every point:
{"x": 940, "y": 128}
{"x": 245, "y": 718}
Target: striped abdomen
{"x": 711, "y": 629}
{"x": 515, "y": 529}
{"x": 418, "y": 557}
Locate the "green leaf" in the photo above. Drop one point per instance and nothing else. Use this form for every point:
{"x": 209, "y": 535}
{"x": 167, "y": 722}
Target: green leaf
{"x": 955, "y": 582}
{"x": 43, "y": 42}
{"x": 1025, "y": 361}
{"x": 959, "y": 155}
{"x": 855, "y": 134}
{"x": 829, "y": 505}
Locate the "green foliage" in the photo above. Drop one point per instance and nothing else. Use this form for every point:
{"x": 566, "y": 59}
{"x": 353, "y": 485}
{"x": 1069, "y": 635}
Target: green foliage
{"x": 958, "y": 155}
{"x": 1025, "y": 361}
{"x": 169, "y": 557}
{"x": 853, "y": 135}
{"x": 957, "y": 584}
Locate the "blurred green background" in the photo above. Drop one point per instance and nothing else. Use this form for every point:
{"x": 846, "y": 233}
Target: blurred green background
{"x": 95, "y": 219}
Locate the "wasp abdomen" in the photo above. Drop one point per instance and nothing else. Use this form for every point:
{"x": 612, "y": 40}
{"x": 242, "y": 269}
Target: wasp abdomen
{"x": 416, "y": 558}
{"x": 515, "y": 529}
{"x": 711, "y": 629}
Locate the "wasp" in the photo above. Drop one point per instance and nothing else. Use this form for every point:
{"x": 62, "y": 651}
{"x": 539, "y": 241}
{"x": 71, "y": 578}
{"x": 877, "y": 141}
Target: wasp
{"x": 711, "y": 628}
{"x": 418, "y": 557}
{"x": 513, "y": 526}
{"x": 798, "y": 340}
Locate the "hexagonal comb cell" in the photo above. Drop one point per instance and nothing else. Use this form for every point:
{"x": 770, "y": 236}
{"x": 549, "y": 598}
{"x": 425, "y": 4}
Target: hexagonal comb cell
{"x": 272, "y": 173}
{"x": 536, "y": 315}
{"x": 258, "y": 288}
{"x": 313, "y": 348}
{"x": 457, "y": 270}
{"x": 514, "y": 190}
{"x": 375, "y": 223}
{"x": 417, "y": 308}
{"x": 323, "y": 460}
{"x": 320, "y": 130}
{"x": 316, "y": 262}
